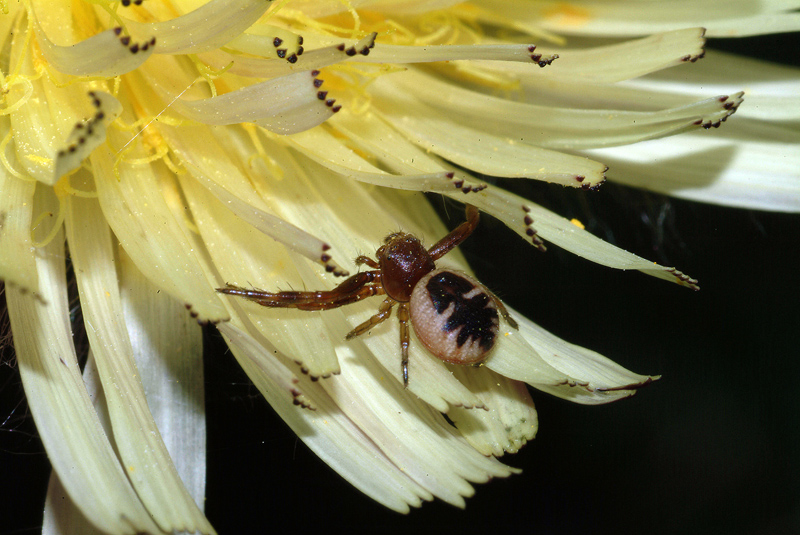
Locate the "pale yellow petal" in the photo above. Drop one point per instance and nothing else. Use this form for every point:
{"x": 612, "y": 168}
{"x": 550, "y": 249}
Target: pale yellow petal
{"x": 510, "y": 419}
{"x": 147, "y": 229}
{"x": 143, "y": 453}
{"x": 167, "y": 344}
{"x": 65, "y": 419}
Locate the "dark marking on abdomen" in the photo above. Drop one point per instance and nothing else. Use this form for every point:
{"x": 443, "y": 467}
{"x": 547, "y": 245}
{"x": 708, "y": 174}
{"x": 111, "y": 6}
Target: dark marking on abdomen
{"x": 474, "y": 315}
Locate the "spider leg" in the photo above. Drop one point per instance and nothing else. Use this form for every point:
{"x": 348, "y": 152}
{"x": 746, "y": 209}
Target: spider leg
{"x": 458, "y": 235}
{"x": 384, "y": 311}
{"x": 501, "y": 308}
{"x": 358, "y": 287}
{"x": 402, "y": 316}
{"x": 361, "y": 259}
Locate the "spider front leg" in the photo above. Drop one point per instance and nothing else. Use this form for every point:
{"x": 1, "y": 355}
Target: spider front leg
{"x": 458, "y": 235}
{"x": 352, "y": 290}
{"x": 362, "y": 259}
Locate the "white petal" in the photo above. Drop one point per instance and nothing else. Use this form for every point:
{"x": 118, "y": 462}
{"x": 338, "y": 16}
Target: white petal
{"x": 732, "y": 18}
{"x": 510, "y": 420}
{"x": 105, "y": 55}
{"x": 76, "y": 444}
{"x": 209, "y": 26}
{"x": 748, "y": 165}
{"x": 772, "y": 91}
{"x": 168, "y": 347}
{"x": 61, "y": 515}
{"x": 552, "y": 365}
{"x": 17, "y": 266}
{"x": 142, "y": 451}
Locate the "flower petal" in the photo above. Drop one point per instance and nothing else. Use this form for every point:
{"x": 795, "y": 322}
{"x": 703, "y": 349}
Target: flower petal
{"x": 773, "y": 91}
{"x": 509, "y": 420}
{"x": 209, "y": 26}
{"x": 611, "y": 63}
{"x": 414, "y": 436}
{"x": 585, "y": 376}
{"x": 105, "y": 55}
{"x": 339, "y": 442}
{"x": 87, "y": 135}
{"x": 77, "y": 446}
{"x": 168, "y": 347}
{"x": 329, "y": 151}
{"x": 477, "y": 150}
{"x": 203, "y": 153}
{"x": 141, "y": 449}
{"x": 239, "y": 252}
{"x": 285, "y": 105}
{"x": 258, "y": 352}
{"x": 748, "y": 165}
{"x": 532, "y": 221}
{"x": 309, "y": 60}
{"x": 147, "y": 229}
{"x": 733, "y": 18}
{"x": 17, "y": 266}
{"x": 561, "y": 128}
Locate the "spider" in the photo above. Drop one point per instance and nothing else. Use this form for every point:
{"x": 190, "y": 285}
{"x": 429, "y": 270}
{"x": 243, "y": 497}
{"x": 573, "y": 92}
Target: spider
{"x": 454, "y": 316}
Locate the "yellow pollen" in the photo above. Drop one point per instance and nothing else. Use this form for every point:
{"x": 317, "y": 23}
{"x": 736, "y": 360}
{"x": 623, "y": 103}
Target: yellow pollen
{"x": 577, "y": 224}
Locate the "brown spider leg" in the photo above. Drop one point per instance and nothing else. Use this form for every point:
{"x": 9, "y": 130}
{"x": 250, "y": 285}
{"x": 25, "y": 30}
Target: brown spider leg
{"x": 458, "y": 235}
{"x": 361, "y": 259}
{"x": 504, "y": 312}
{"x": 402, "y": 316}
{"x": 358, "y": 287}
{"x": 384, "y": 311}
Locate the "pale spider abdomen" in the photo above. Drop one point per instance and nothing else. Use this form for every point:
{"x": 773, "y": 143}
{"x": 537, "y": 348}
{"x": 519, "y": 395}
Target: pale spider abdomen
{"x": 454, "y": 316}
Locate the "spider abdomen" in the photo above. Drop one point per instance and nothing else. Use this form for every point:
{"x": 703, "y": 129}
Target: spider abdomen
{"x": 454, "y": 316}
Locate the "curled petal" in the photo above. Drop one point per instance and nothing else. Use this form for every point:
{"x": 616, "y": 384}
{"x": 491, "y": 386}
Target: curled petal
{"x": 285, "y": 105}
{"x": 87, "y": 135}
{"x": 208, "y": 27}
{"x": 509, "y": 420}
{"x": 546, "y": 362}
{"x": 107, "y": 54}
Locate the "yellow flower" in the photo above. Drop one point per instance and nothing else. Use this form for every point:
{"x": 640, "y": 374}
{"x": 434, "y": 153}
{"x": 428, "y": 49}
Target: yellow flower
{"x": 180, "y": 146}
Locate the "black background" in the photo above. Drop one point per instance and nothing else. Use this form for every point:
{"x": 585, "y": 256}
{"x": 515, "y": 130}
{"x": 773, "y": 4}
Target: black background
{"x": 714, "y": 447}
